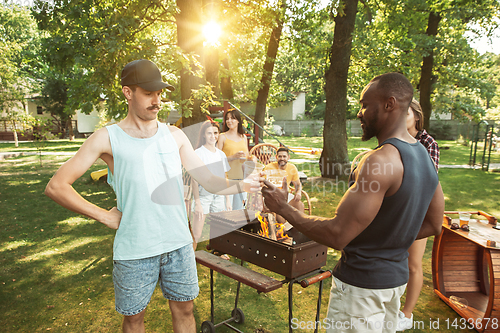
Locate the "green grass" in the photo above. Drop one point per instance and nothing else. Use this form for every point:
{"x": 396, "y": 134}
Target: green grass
{"x": 56, "y": 266}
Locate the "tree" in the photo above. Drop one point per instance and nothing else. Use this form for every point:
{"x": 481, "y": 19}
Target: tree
{"x": 99, "y": 38}
{"x": 426, "y": 76}
{"x": 394, "y": 36}
{"x": 300, "y": 64}
{"x": 54, "y": 97}
{"x": 189, "y": 39}
{"x": 267, "y": 73}
{"x": 334, "y": 159}
{"x": 458, "y": 15}
{"x": 18, "y": 38}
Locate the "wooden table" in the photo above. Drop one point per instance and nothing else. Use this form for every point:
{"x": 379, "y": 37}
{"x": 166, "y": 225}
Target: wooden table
{"x": 466, "y": 265}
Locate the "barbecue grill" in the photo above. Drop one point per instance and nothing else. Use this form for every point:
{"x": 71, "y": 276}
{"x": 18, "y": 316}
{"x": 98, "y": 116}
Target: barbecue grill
{"x": 236, "y": 233}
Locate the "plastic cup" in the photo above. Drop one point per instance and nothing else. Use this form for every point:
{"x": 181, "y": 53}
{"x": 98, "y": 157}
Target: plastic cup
{"x": 464, "y": 218}
{"x": 275, "y": 177}
{"x": 459, "y": 302}
{"x": 251, "y": 167}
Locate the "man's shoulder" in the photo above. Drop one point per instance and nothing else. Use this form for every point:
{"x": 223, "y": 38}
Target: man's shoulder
{"x": 171, "y": 128}
{"x": 271, "y": 166}
{"x": 101, "y": 135}
{"x": 381, "y": 158}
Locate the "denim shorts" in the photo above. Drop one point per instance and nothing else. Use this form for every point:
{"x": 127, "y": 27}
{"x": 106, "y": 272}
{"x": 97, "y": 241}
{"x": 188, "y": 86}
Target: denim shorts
{"x": 135, "y": 280}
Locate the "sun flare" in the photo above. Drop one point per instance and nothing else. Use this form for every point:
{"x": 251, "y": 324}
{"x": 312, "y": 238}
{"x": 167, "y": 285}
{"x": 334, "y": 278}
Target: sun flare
{"x": 212, "y": 32}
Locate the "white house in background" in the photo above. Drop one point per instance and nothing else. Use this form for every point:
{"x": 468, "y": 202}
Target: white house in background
{"x": 287, "y": 111}
{"x": 441, "y": 116}
{"x": 291, "y": 110}
{"x": 86, "y": 123}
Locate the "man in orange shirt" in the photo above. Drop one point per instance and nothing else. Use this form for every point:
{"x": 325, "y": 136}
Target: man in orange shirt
{"x": 291, "y": 173}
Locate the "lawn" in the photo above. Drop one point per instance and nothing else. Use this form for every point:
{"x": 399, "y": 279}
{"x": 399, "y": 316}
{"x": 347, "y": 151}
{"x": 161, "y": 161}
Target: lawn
{"x": 56, "y": 265}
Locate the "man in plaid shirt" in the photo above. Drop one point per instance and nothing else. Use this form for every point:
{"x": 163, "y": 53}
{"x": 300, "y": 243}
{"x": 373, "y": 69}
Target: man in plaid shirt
{"x": 430, "y": 144}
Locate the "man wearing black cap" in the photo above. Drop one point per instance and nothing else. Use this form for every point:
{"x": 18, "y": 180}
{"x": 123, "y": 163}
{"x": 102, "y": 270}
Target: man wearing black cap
{"x": 153, "y": 240}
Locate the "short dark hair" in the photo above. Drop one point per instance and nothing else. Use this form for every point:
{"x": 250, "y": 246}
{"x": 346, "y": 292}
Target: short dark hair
{"x": 283, "y": 149}
{"x": 396, "y": 85}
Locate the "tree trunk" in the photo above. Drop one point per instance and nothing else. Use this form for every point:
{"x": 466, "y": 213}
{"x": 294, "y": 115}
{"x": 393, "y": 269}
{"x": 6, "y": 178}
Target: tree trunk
{"x": 426, "y": 77}
{"x": 189, "y": 39}
{"x": 225, "y": 82}
{"x": 212, "y": 68}
{"x": 16, "y": 138}
{"x": 267, "y": 75}
{"x": 70, "y": 129}
{"x": 212, "y": 9}
{"x": 334, "y": 159}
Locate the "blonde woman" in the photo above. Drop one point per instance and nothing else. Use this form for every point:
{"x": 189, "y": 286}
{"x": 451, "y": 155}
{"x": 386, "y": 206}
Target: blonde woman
{"x": 415, "y": 126}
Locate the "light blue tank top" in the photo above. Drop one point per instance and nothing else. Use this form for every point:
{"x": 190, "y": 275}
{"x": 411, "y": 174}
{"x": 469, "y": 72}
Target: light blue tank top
{"x": 147, "y": 181}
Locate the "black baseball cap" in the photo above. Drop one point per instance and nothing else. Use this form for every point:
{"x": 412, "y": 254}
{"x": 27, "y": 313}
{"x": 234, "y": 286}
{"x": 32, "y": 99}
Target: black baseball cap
{"x": 145, "y": 74}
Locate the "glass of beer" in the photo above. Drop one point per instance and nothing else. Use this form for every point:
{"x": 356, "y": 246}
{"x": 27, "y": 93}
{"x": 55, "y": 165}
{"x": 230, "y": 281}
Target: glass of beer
{"x": 275, "y": 177}
{"x": 464, "y": 218}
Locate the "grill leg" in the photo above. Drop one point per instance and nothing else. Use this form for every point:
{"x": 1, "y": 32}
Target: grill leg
{"x": 212, "y": 295}
{"x": 318, "y": 308}
{"x": 290, "y": 305}
{"x": 237, "y": 291}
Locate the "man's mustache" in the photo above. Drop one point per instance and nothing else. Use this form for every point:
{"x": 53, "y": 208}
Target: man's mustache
{"x": 154, "y": 107}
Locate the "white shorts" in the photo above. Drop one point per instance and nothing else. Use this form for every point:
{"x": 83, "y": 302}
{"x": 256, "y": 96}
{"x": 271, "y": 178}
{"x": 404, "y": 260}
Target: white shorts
{"x": 354, "y": 309}
{"x": 212, "y": 203}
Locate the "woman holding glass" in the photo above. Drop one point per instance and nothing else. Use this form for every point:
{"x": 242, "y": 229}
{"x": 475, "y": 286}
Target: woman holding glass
{"x": 234, "y": 144}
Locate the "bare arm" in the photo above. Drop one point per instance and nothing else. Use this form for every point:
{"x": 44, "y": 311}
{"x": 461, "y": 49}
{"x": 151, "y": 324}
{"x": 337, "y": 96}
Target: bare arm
{"x": 433, "y": 220}
{"x": 220, "y": 142}
{"x": 198, "y": 209}
{"x": 60, "y": 187}
{"x": 298, "y": 188}
{"x": 199, "y": 171}
{"x": 355, "y": 212}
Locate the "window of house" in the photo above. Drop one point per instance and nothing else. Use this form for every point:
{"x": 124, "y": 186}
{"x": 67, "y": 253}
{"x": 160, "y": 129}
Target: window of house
{"x": 39, "y": 110}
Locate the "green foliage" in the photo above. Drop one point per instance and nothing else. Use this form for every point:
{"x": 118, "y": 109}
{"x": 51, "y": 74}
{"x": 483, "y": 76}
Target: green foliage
{"x": 301, "y": 61}
{"x": 41, "y": 131}
{"x": 390, "y": 36}
{"x": 18, "y": 38}
{"x": 90, "y": 42}
{"x": 204, "y": 95}
{"x": 306, "y": 132}
{"x": 268, "y": 124}
{"x": 87, "y": 43}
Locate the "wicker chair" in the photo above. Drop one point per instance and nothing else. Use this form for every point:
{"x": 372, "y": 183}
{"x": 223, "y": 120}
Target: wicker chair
{"x": 266, "y": 153}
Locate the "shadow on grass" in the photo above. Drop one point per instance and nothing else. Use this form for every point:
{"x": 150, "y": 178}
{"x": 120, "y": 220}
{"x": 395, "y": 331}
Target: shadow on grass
{"x": 56, "y": 265}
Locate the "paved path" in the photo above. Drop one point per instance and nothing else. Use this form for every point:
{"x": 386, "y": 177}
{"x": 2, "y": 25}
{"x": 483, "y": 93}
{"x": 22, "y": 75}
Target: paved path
{"x": 16, "y": 154}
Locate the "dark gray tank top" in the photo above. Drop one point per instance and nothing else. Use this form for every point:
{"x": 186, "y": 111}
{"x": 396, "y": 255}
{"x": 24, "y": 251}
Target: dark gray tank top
{"x": 378, "y": 257}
